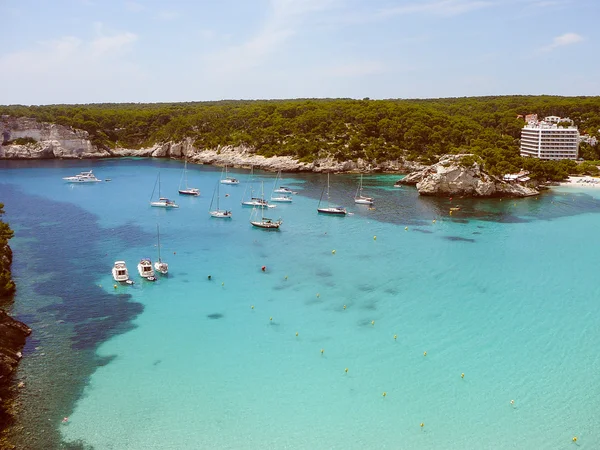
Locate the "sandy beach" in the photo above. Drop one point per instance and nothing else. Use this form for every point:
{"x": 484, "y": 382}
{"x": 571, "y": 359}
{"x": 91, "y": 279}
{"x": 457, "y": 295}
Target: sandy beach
{"x": 586, "y": 181}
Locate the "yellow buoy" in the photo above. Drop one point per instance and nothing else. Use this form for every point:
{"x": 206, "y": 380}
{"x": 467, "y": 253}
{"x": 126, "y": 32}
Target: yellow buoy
{"x": 374, "y": 238}
{"x": 384, "y": 394}
{"x": 318, "y": 295}
{"x": 296, "y": 333}
{"x": 512, "y": 402}
{"x": 462, "y": 375}
{"x": 405, "y": 228}
{"x": 252, "y": 307}
{"x": 424, "y": 353}
{"x": 344, "y": 306}
{"x": 115, "y": 286}
{"x": 322, "y": 351}
{"x": 346, "y": 370}
{"x": 333, "y": 252}
{"x": 433, "y": 220}
{"x": 270, "y": 318}
{"x": 574, "y": 438}
{"x": 372, "y": 322}
{"x": 286, "y": 277}
{"x": 422, "y": 424}
{"x": 223, "y": 283}
{"x": 395, "y": 336}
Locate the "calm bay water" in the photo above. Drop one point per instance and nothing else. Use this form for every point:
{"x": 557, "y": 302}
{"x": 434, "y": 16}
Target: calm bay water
{"x": 502, "y": 291}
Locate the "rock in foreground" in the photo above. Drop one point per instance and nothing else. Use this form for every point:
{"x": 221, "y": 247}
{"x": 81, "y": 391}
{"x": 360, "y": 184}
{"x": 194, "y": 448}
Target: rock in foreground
{"x": 458, "y": 175}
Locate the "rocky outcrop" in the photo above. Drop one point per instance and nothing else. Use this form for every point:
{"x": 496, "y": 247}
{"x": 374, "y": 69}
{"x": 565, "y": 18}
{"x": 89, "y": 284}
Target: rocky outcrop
{"x": 57, "y": 141}
{"x": 47, "y": 140}
{"x": 452, "y": 177}
{"x": 12, "y": 339}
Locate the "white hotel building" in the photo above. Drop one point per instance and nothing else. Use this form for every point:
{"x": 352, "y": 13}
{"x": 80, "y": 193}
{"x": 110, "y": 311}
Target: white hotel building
{"x": 546, "y": 140}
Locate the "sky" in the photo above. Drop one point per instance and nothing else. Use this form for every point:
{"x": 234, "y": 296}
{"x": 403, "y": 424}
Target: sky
{"x": 100, "y": 51}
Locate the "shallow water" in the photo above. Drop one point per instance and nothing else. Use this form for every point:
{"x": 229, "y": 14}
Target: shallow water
{"x": 502, "y": 291}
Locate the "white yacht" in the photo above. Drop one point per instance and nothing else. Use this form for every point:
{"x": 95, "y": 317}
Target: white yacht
{"x": 83, "y": 177}
{"x": 228, "y": 179}
{"x": 145, "y": 268}
{"x": 359, "y": 198}
{"x": 120, "y": 272}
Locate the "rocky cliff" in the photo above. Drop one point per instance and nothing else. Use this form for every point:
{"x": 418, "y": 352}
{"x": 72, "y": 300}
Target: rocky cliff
{"x": 452, "y": 177}
{"x": 12, "y": 339}
{"x": 46, "y": 140}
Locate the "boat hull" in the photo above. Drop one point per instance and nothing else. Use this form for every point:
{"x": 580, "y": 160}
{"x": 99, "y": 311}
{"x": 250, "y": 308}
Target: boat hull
{"x": 363, "y": 201}
{"x": 161, "y": 267}
{"x": 191, "y": 191}
{"x": 220, "y": 214}
{"x": 163, "y": 205}
{"x": 230, "y": 182}
{"x": 332, "y": 211}
{"x": 266, "y": 225}
{"x": 281, "y": 199}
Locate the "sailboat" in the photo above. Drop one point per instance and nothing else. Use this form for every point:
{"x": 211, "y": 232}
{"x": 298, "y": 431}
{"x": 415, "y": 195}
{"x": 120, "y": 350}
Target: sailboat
{"x": 229, "y": 180}
{"x": 359, "y": 198}
{"x": 160, "y": 266}
{"x": 334, "y": 210}
{"x": 162, "y": 202}
{"x": 218, "y": 213}
{"x": 282, "y": 191}
{"x": 263, "y": 222}
{"x": 259, "y": 202}
{"x": 187, "y": 190}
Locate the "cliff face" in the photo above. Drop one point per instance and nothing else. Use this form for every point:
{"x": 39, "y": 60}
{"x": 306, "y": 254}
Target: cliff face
{"x": 51, "y": 140}
{"x": 57, "y": 141}
{"x": 449, "y": 177}
{"x": 12, "y": 339}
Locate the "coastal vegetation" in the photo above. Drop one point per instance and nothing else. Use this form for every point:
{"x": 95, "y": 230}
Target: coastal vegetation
{"x": 345, "y": 129}
{"x": 7, "y": 286}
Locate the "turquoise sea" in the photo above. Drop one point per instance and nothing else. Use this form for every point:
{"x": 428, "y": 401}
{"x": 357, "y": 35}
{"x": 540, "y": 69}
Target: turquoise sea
{"x": 405, "y": 296}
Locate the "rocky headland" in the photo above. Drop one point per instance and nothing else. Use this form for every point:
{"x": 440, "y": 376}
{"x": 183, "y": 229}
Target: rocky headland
{"x": 462, "y": 175}
{"x": 26, "y": 138}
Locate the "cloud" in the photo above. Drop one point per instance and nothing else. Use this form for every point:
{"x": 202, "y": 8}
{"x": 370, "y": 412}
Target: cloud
{"x": 440, "y": 7}
{"x": 562, "y": 40}
{"x": 70, "y": 69}
{"x": 286, "y": 18}
{"x": 355, "y": 69}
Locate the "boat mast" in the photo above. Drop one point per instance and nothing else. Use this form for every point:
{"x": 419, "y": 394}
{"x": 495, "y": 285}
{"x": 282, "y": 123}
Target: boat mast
{"x": 158, "y": 239}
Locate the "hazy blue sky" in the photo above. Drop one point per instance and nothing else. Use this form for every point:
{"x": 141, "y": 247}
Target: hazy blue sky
{"x": 88, "y": 51}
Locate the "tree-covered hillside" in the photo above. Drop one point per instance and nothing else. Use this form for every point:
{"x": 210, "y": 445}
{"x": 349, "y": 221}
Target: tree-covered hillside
{"x": 374, "y": 130}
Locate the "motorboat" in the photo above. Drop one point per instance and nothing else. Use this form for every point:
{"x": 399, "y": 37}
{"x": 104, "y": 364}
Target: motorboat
{"x": 83, "y": 177}
{"x": 120, "y": 272}
{"x": 332, "y": 210}
{"x": 145, "y": 268}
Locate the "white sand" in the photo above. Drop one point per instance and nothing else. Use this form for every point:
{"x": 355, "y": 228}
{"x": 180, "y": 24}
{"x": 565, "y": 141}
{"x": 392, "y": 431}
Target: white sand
{"x": 587, "y": 181}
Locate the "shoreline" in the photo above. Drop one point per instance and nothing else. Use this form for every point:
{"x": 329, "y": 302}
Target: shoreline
{"x": 586, "y": 182}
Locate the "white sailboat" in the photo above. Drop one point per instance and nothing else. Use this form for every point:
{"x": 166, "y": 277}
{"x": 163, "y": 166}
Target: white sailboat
{"x": 162, "y": 202}
{"x": 218, "y": 213}
{"x": 186, "y": 190}
{"x": 160, "y": 266}
{"x": 333, "y": 210}
{"x": 258, "y": 202}
{"x": 228, "y": 179}
{"x": 283, "y": 192}
{"x": 262, "y": 221}
{"x": 359, "y": 197}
